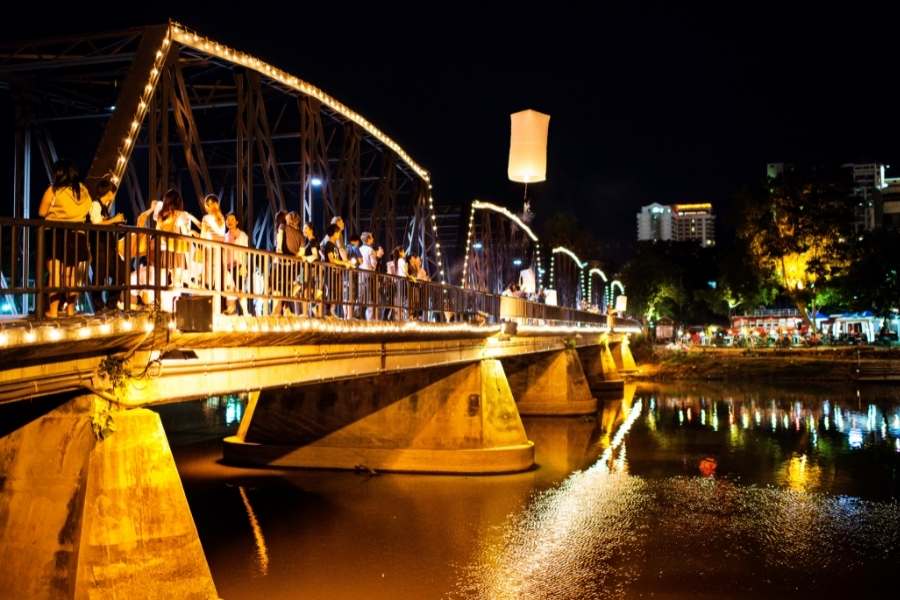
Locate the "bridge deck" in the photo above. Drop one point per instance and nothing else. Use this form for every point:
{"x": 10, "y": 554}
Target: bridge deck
{"x": 250, "y": 353}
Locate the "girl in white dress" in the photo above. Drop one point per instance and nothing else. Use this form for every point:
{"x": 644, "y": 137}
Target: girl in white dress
{"x": 212, "y": 227}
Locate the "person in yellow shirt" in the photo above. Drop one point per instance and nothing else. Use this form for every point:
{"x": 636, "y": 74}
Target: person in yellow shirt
{"x": 66, "y": 200}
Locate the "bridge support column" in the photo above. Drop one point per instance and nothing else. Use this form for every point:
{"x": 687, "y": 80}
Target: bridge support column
{"x": 600, "y": 368}
{"x": 551, "y": 384}
{"x": 85, "y": 517}
{"x": 621, "y": 352}
{"x": 459, "y": 419}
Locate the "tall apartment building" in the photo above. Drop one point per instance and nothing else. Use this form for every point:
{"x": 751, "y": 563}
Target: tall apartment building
{"x": 678, "y": 223}
{"x": 654, "y": 223}
{"x": 694, "y": 222}
{"x": 889, "y": 204}
{"x": 868, "y": 182}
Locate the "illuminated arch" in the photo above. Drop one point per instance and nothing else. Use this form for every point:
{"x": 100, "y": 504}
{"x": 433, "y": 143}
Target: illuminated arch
{"x": 505, "y": 212}
{"x": 611, "y": 292}
{"x": 580, "y": 287}
{"x": 129, "y": 122}
{"x": 590, "y": 286}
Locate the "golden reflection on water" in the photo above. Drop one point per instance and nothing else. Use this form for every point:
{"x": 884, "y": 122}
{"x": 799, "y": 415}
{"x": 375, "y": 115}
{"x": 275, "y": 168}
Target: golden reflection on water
{"x": 634, "y": 519}
{"x": 262, "y": 553}
{"x": 557, "y": 525}
{"x": 800, "y": 474}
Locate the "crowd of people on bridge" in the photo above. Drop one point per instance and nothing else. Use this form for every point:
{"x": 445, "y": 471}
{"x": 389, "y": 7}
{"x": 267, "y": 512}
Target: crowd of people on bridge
{"x": 333, "y": 277}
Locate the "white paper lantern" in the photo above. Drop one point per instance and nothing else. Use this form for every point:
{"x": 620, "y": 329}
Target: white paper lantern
{"x": 528, "y": 146}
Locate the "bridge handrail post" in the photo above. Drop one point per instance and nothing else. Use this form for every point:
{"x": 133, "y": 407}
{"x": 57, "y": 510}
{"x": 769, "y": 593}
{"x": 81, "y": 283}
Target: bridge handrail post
{"x": 156, "y": 271}
{"x": 39, "y": 298}
{"x": 217, "y": 266}
{"x": 126, "y": 284}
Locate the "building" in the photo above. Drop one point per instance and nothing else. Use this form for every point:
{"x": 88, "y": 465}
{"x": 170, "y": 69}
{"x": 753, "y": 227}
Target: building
{"x": 771, "y": 321}
{"x": 654, "y": 223}
{"x": 868, "y": 182}
{"x": 694, "y": 223}
{"x": 677, "y": 223}
{"x": 889, "y": 203}
{"x": 863, "y": 184}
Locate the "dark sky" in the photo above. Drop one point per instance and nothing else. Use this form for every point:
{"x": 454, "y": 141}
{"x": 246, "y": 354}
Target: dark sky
{"x": 648, "y": 103}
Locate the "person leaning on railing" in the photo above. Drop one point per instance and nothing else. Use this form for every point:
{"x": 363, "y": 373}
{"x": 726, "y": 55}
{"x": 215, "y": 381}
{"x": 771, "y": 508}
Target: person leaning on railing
{"x": 417, "y": 275}
{"x": 105, "y": 258}
{"x": 66, "y": 251}
{"x": 334, "y": 277}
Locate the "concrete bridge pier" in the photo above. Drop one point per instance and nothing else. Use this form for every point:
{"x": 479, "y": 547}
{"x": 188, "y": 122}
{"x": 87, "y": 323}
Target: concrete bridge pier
{"x": 550, "y": 384}
{"x": 600, "y": 369}
{"x": 91, "y": 506}
{"x": 456, "y": 419}
{"x": 621, "y": 353}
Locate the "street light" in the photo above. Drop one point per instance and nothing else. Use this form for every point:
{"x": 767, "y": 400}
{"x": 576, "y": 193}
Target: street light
{"x": 316, "y": 182}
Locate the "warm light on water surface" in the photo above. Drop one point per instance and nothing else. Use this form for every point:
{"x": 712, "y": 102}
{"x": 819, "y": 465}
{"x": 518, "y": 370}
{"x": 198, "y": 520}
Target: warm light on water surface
{"x": 719, "y": 491}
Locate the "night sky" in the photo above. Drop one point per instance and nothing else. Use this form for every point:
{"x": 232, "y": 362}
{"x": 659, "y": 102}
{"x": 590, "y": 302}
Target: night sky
{"x": 648, "y": 103}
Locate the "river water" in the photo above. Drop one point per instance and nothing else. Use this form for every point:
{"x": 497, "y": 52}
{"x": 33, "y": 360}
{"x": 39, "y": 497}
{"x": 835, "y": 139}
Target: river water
{"x": 690, "y": 491}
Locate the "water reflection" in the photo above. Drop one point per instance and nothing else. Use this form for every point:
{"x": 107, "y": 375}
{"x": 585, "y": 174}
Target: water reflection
{"x": 640, "y": 524}
{"x": 715, "y": 491}
{"x": 804, "y": 440}
{"x": 262, "y": 552}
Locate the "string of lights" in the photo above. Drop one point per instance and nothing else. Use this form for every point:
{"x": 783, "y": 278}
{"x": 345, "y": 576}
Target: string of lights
{"x": 480, "y": 205}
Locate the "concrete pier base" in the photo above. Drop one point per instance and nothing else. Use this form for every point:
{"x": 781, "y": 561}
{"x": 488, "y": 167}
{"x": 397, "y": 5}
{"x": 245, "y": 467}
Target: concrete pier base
{"x": 550, "y": 384}
{"x": 84, "y": 517}
{"x": 621, "y": 353}
{"x": 600, "y": 369}
{"x": 460, "y": 419}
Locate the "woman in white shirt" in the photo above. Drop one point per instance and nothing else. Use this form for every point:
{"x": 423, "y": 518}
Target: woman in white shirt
{"x": 207, "y": 262}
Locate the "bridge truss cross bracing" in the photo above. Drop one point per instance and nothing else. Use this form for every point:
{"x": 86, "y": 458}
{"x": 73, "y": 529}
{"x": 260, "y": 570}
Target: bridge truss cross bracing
{"x": 163, "y": 106}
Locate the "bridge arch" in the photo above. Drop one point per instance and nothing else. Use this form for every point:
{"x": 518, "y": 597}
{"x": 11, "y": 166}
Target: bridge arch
{"x": 601, "y": 296}
{"x": 612, "y": 291}
{"x": 499, "y": 245}
{"x": 190, "y": 112}
{"x": 567, "y": 276}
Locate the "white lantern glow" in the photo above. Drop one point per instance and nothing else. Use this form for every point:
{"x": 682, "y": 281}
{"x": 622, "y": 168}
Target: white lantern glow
{"x": 528, "y": 146}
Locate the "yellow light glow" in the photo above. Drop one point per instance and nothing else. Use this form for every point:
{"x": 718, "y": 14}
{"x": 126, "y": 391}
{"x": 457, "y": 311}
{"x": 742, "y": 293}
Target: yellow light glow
{"x": 528, "y": 146}
{"x": 700, "y": 206}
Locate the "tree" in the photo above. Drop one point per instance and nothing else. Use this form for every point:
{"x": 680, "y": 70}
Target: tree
{"x": 873, "y": 279}
{"x": 797, "y": 235}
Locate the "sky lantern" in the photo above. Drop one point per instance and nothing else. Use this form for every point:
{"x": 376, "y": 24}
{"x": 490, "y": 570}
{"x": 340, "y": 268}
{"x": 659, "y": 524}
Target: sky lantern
{"x": 528, "y": 146}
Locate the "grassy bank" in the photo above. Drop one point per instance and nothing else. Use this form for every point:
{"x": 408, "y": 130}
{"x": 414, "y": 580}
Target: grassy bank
{"x": 768, "y": 364}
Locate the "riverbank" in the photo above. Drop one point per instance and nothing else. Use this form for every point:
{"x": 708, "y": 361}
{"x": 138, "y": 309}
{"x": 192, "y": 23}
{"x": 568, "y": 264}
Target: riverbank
{"x": 770, "y": 364}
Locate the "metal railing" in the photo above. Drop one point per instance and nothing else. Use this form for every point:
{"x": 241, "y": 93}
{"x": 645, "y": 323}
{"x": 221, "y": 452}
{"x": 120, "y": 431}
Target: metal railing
{"x": 46, "y": 265}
